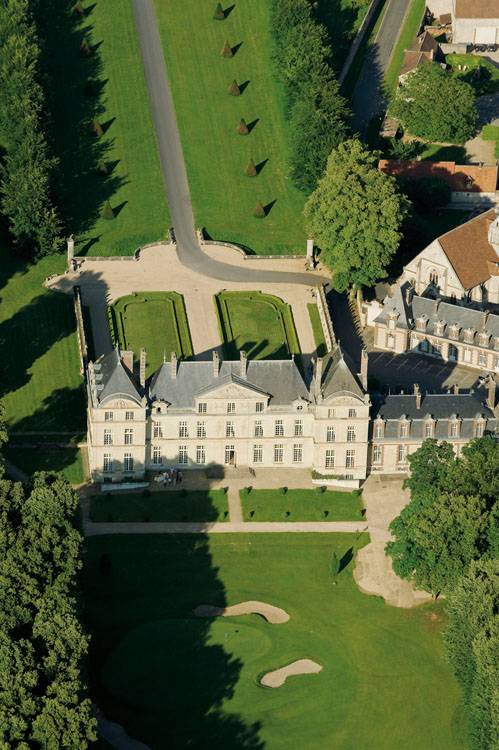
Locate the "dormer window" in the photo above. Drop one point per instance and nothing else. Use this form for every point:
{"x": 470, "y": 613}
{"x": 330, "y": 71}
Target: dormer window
{"x": 379, "y": 428}
{"x": 454, "y": 426}
{"x": 479, "y": 426}
{"x": 483, "y": 338}
{"x": 421, "y": 323}
{"x": 439, "y": 327}
{"x": 469, "y": 335}
{"x": 231, "y": 407}
{"x": 454, "y": 331}
{"x": 433, "y": 278}
{"x": 403, "y": 427}
{"x": 428, "y": 428}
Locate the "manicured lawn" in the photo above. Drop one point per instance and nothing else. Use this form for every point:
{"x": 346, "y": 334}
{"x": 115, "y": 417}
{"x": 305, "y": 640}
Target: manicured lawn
{"x": 491, "y": 133}
{"x": 66, "y": 460}
{"x": 438, "y": 152}
{"x": 261, "y": 324}
{"x": 119, "y": 102}
{"x": 170, "y": 505}
{"x": 407, "y": 35}
{"x": 320, "y": 343}
{"x": 177, "y": 681}
{"x": 40, "y": 383}
{"x": 301, "y": 505}
{"x": 223, "y": 197}
{"x": 480, "y": 73}
{"x": 155, "y": 320}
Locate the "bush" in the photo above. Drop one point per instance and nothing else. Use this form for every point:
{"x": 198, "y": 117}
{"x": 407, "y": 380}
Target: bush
{"x": 283, "y": 490}
{"x": 234, "y": 89}
{"x": 242, "y": 128}
{"x": 219, "y": 14}
{"x": 259, "y": 211}
{"x": 226, "y": 50}
{"x": 107, "y": 211}
{"x": 250, "y": 170}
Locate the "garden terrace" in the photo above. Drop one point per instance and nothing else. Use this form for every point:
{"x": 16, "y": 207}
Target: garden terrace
{"x": 170, "y": 505}
{"x": 301, "y": 505}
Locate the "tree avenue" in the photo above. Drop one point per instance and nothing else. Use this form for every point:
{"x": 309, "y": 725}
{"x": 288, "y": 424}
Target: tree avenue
{"x": 355, "y": 216}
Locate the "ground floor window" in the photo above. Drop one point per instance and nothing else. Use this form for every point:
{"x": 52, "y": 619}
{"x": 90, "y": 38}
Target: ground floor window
{"x": 182, "y": 454}
{"x": 390, "y": 341}
{"x": 156, "y": 455}
{"x": 467, "y": 355}
{"x": 424, "y": 346}
{"x": 257, "y": 454}
{"x": 108, "y": 462}
{"x": 377, "y": 454}
{"x": 496, "y": 363}
{"x": 128, "y": 462}
{"x": 230, "y": 455}
{"x": 297, "y": 453}
{"x": 452, "y": 353}
{"x": 482, "y": 359}
{"x": 278, "y": 453}
{"x": 200, "y": 454}
{"x": 401, "y": 454}
{"x": 329, "y": 461}
{"x": 350, "y": 459}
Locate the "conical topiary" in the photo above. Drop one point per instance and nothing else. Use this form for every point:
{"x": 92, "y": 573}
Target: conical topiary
{"x": 102, "y": 168}
{"x": 234, "y": 89}
{"x": 97, "y": 129}
{"x": 250, "y": 170}
{"x": 107, "y": 211}
{"x": 226, "y": 49}
{"x": 90, "y": 88}
{"x": 259, "y": 211}
{"x": 219, "y": 14}
{"x": 85, "y": 48}
{"x": 242, "y": 128}
{"x": 77, "y": 9}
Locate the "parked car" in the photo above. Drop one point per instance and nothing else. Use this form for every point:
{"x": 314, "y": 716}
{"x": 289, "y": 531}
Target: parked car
{"x": 492, "y": 48}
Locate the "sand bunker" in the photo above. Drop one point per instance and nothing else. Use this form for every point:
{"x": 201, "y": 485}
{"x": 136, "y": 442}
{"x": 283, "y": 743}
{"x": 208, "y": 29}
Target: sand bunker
{"x": 272, "y": 614}
{"x": 278, "y": 677}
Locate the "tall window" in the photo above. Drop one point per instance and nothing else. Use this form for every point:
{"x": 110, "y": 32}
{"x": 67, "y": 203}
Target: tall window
{"x": 257, "y": 454}
{"x": 278, "y": 453}
{"x": 428, "y": 430}
{"x": 331, "y": 413}
{"x": 329, "y": 461}
{"x": 453, "y": 428}
{"x": 183, "y": 430}
{"x": 200, "y": 454}
{"x": 259, "y": 406}
{"x": 201, "y": 429}
{"x": 279, "y": 428}
{"x": 330, "y": 434}
{"x": 479, "y": 428}
{"x": 129, "y": 416}
{"x": 350, "y": 459}
{"x": 108, "y": 416}
{"x": 482, "y": 359}
{"x": 401, "y": 453}
{"x": 231, "y": 407}
{"x": 108, "y": 462}
{"x": 127, "y": 462}
{"x": 350, "y": 434}
{"x": 352, "y": 412}
{"x": 229, "y": 429}
{"x": 182, "y": 454}
{"x": 202, "y": 405}
{"x": 157, "y": 430}
{"x": 230, "y": 454}
{"x": 378, "y": 430}
{"x": 156, "y": 455}
{"x": 258, "y": 428}
{"x": 377, "y": 454}
{"x": 403, "y": 429}
{"x": 298, "y": 427}
{"x": 108, "y": 437}
{"x": 128, "y": 436}
{"x": 297, "y": 453}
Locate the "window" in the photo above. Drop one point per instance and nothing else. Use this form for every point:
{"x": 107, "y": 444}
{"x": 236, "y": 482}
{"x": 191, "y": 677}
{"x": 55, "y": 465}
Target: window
{"x": 298, "y": 427}
{"x": 428, "y": 430}
{"x": 156, "y": 455}
{"x": 329, "y": 461}
{"x": 377, "y": 454}
{"x": 297, "y": 453}
{"x": 127, "y": 462}
{"x": 350, "y": 434}
{"x": 108, "y": 462}
{"x": 454, "y": 428}
{"x": 157, "y": 430}
{"x": 482, "y": 359}
{"x": 201, "y": 429}
{"x": 200, "y": 454}
{"x": 229, "y": 429}
{"x": 257, "y": 454}
{"x": 258, "y": 428}
{"x": 331, "y": 413}
{"x": 434, "y": 278}
{"x": 467, "y": 355}
{"x": 128, "y": 436}
{"x": 479, "y": 428}
{"x": 352, "y": 412}
{"x": 202, "y": 406}
{"x": 496, "y": 363}
{"x": 231, "y": 407}
{"x": 278, "y": 453}
{"x": 350, "y": 459}
{"x": 330, "y": 434}
{"x": 378, "y": 429}
{"x": 108, "y": 437}
{"x": 279, "y": 428}
{"x": 129, "y": 416}
{"x": 230, "y": 454}
{"x": 259, "y": 406}
{"x": 183, "y": 430}
{"x": 108, "y": 416}
{"x": 401, "y": 454}
{"x": 390, "y": 341}
{"x": 299, "y": 407}
{"x": 403, "y": 429}
{"x": 182, "y": 454}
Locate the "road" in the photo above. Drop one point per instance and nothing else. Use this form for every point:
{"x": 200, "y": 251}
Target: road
{"x": 367, "y": 99}
{"x": 173, "y": 165}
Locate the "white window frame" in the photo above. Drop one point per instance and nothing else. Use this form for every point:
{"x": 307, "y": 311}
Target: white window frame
{"x": 350, "y": 459}
{"x": 108, "y": 436}
{"x": 127, "y": 462}
{"x": 157, "y": 458}
{"x": 183, "y": 456}
{"x": 377, "y": 454}
{"x": 108, "y": 416}
{"x": 231, "y": 407}
{"x": 351, "y": 434}
{"x": 107, "y": 464}
{"x": 129, "y": 416}
{"x": 230, "y": 431}
{"x": 258, "y": 453}
{"x": 202, "y": 407}
{"x": 258, "y": 431}
{"x": 298, "y": 453}
{"x": 200, "y": 454}
{"x": 157, "y": 429}
{"x": 330, "y": 434}
{"x": 201, "y": 429}
{"x": 329, "y": 459}
{"x": 128, "y": 436}
{"x": 183, "y": 429}
{"x": 298, "y": 428}
{"x": 278, "y": 453}
{"x": 279, "y": 428}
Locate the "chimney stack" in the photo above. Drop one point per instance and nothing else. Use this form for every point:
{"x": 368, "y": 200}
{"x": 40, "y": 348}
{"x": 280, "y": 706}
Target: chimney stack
{"x": 243, "y": 362}
{"x": 364, "y": 362}
{"x": 216, "y": 364}
{"x": 173, "y": 365}
{"x": 142, "y": 368}
{"x": 319, "y": 363}
{"x": 127, "y": 359}
{"x": 408, "y": 294}
{"x": 491, "y": 392}
{"x": 417, "y": 393}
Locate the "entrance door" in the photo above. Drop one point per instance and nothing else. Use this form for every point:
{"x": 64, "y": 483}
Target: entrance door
{"x": 230, "y": 455}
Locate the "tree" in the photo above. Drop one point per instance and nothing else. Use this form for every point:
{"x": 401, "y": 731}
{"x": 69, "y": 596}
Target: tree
{"x": 227, "y": 50}
{"x": 234, "y": 89}
{"x": 242, "y": 128}
{"x": 355, "y": 216}
{"x": 219, "y": 14}
{"x": 3, "y": 438}
{"x": 436, "y": 106}
{"x": 250, "y": 169}
{"x": 97, "y": 129}
{"x": 259, "y": 211}
{"x": 107, "y": 211}
{"x": 404, "y": 150}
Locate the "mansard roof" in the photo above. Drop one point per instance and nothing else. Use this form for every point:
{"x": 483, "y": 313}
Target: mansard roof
{"x": 339, "y": 376}
{"x": 113, "y": 380}
{"x": 279, "y": 379}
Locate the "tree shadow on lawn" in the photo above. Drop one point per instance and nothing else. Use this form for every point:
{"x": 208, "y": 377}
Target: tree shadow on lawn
{"x": 154, "y": 667}
{"x": 75, "y": 98}
{"x": 63, "y": 410}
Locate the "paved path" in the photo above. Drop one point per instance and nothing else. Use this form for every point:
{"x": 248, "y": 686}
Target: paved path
{"x": 257, "y": 527}
{"x": 367, "y": 99}
{"x": 234, "y": 503}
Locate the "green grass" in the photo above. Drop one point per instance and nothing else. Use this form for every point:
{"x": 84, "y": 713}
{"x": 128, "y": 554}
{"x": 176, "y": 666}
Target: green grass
{"x": 438, "y": 152}
{"x": 68, "y": 461}
{"x": 134, "y": 184}
{"x": 410, "y": 28}
{"x": 40, "y": 383}
{"x": 154, "y": 320}
{"x": 301, "y": 505}
{"x": 177, "y": 681}
{"x": 360, "y": 57}
{"x": 487, "y": 83}
{"x": 491, "y": 133}
{"x": 261, "y": 324}
{"x": 320, "y": 342}
{"x": 170, "y": 505}
{"x": 223, "y": 197}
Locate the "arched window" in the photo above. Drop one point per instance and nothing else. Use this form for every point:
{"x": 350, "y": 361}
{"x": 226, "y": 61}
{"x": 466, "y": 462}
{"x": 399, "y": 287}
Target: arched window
{"x": 434, "y": 277}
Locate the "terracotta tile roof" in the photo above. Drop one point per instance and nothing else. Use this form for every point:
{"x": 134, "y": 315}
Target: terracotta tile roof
{"x": 477, "y": 9}
{"x": 468, "y": 250}
{"x": 465, "y": 178}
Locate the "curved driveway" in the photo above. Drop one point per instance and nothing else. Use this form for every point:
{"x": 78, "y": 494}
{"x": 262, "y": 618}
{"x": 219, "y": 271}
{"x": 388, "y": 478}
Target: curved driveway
{"x": 173, "y": 166}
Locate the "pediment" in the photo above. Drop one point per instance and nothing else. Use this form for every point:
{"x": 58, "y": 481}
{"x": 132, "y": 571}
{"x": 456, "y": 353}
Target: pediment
{"x": 233, "y": 391}
{"x": 119, "y": 402}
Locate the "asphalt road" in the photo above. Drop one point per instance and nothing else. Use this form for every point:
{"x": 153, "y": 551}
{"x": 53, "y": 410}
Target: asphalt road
{"x": 367, "y": 98}
{"x": 173, "y": 165}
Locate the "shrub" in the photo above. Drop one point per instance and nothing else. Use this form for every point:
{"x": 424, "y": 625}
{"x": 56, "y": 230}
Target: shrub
{"x": 234, "y": 89}
{"x": 85, "y": 48}
{"x": 107, "y": 211}
{"x": 250, "y": 170}
{"x": 102, "y": 168}
{"x": 242, "y": 128}
{"x": 283, "y": 490}
{"x": 259, "y": 211}
{"x": 97, "y": 129}
{"x": 226, "y": 50}
{"x": 219, "y": 14}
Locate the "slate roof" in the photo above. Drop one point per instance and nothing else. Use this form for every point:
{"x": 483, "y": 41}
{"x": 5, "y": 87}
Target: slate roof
{"x": 468, "y": 250}
{"x": 338, "y": 375}
{"x": 477, "y": 9}
{"x": 112, "y": 379}
{"x": 280, "y": 379}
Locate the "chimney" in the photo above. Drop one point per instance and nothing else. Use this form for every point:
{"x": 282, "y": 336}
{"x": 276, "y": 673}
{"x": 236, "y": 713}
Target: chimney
{"x": 364, "y": 362}
{"x": 319, "y": 363}
{"x": 491, "y": 392}
{"x": 417, "y": 393}
{"x": 173, "y": 365}
{"x": 408, "y": 294}
{"x": 243, "y": 362}
{"x": 455, "y": 389}
{"x": 127, "y": 359}
{"x": 142, "y": 368}
{"x": 216, "y": 364}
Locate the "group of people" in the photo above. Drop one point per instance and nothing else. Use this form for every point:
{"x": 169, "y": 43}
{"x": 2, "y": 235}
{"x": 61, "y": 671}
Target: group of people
{"x": 171, "y": 477}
